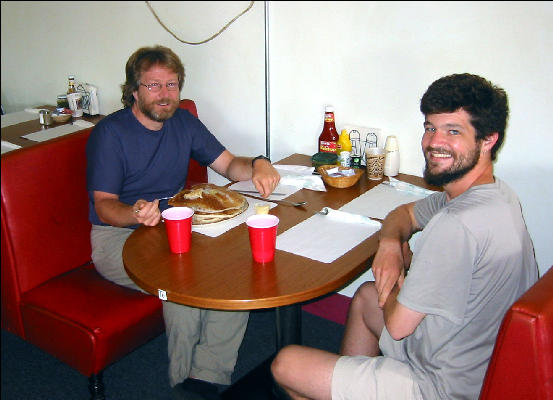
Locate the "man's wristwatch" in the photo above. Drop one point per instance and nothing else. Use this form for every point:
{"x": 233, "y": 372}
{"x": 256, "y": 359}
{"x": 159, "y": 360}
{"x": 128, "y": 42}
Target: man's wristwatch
{"x": 261, "y": 157}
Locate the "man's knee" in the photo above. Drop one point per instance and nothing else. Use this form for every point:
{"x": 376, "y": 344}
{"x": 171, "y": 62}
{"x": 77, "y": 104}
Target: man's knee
{"x": 366, "y": 294}
{"x": 282, "y": 362}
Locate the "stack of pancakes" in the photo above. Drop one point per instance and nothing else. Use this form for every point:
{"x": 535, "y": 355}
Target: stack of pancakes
{"x": 210, "y": 203}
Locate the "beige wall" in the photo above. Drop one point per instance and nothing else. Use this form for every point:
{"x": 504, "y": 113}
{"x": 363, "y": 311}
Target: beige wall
{"x": 371, "y": 60}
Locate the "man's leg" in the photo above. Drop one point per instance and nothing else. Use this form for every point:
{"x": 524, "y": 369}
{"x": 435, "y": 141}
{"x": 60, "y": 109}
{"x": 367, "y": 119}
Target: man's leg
{"x": 216, "y": 353}
{"x": 364, "y": 323}
{"x": 182, "y": 327}
{"x": 107, "y": 254}
{"x": 182, "y": 323}
{"x": 305, "y": 373}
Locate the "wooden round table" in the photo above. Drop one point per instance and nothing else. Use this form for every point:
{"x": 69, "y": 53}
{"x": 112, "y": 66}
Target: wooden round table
{"x": 219, "y": 272}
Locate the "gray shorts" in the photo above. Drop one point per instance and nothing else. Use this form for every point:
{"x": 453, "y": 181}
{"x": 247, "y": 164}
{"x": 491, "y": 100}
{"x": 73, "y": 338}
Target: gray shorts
{"x": 373, "y": 378}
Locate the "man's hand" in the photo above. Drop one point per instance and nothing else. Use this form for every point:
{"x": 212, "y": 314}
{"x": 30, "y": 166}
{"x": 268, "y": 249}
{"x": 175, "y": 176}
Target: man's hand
{"x": 265, "y": 177}
{"x": 388, "y": 268}
{"x": 147, "y": 213}
{"x": 113, "y": 212}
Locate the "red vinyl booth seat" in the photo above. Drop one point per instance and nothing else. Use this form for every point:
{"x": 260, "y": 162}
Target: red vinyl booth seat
{"x": 521, "y": 366}
{"x": 51, "y": 294}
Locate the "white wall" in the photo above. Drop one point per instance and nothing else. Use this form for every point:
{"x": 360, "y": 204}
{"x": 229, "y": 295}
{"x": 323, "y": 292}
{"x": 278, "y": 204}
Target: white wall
{"x": 371, "y": 60}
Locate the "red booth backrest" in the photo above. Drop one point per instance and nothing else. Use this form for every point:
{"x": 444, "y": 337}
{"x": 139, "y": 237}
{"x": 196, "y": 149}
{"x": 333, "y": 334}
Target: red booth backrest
{"x": 45, "y": 227}
{"x": 196, "y": 172}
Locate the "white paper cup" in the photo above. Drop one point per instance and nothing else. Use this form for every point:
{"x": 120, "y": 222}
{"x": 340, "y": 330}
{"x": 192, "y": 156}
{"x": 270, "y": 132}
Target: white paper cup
{"x": 75, "y": 101}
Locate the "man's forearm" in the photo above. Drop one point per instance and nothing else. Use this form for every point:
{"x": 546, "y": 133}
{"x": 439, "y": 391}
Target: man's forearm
{"x": 398, "y": 224}
{"x": 115, "y": 213}
{"x": 240, "y": 169}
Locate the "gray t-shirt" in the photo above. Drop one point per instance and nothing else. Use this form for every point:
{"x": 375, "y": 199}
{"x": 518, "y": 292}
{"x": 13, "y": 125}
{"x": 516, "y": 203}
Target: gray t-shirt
{"x": 472, "y": 260}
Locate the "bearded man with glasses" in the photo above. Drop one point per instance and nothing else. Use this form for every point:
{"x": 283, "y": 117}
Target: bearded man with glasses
{"x": 140, "y": 154}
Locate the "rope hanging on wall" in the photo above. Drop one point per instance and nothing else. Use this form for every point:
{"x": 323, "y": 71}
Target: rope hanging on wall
{"x": 203, "y": 41}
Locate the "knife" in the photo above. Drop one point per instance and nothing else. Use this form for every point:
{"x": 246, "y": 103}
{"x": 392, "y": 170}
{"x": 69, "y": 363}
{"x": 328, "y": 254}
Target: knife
{"x": 255, "y": 191}
{"x": 283, "y": 202}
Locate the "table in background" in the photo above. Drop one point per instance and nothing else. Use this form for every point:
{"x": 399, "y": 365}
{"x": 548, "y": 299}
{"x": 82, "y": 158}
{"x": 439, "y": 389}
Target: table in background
{"x": 13, "y": 133}
{"x": 219, "y": 273}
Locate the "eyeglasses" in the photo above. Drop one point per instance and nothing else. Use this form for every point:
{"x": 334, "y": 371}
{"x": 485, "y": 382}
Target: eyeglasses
{"x": 156, "y": 87}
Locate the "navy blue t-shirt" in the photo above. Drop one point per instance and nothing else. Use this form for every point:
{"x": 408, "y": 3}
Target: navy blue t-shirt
{"x": 127, "y": 159}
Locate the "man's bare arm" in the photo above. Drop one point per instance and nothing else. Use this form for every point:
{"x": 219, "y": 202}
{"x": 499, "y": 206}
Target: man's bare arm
{"x": 389, "y": 262}
{"x": 400, "y": 321}
{"x": 263, "y": 175}
{"x": 116, "y": 213}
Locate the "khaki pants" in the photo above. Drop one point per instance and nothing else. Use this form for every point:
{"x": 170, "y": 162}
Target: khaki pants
{"x": 202, "y": 344}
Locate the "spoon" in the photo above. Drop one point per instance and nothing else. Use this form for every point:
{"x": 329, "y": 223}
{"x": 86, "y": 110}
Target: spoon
{"x": 325, "y": 211}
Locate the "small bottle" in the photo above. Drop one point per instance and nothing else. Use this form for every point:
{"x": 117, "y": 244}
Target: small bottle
{"x": 391, "y": 162}
{"x": 329, "y": 136}
{"x": 71, "y": 85}
{"x": 344, "y": 149}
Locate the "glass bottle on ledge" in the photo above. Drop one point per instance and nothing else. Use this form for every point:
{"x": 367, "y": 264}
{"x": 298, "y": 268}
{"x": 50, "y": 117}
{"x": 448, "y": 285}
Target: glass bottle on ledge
{"x": 71, "y": 85}
{"x": 328, "y": 139}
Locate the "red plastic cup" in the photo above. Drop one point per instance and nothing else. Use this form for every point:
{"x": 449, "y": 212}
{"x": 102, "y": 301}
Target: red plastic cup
{"x": 263, "y": 231}
{"x": 178, "y": 223}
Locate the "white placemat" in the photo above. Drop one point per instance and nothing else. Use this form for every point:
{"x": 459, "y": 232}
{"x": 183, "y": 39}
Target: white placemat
{"x": 324, "y": 238}
{"x": 51, "y": 133}
{"x": 292, "y": 179}
{"x": 7, "y": 146}
{"x": 218, "y": 228}
{"x": 380, "y": 200}
{"x": 17, "y": 118}
{"x": 281, "y": 191}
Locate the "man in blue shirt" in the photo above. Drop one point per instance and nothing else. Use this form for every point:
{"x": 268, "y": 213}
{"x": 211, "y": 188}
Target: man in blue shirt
{"x": 140, "y": 154}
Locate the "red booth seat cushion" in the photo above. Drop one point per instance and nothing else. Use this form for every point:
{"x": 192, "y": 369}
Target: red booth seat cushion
{"x": 103, "y": 320}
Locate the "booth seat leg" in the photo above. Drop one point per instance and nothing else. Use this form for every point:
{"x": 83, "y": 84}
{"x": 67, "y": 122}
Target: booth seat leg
{"x": 96, "y": 386}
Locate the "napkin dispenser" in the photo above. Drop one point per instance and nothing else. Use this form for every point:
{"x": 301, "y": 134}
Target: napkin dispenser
{"x": 91, "y": 106}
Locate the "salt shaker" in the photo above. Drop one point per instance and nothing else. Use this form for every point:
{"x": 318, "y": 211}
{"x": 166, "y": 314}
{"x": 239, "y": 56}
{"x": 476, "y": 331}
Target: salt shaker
{"x": 391, "y": 162}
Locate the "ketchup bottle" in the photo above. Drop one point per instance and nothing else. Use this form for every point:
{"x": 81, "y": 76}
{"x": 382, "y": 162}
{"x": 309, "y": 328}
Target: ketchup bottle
{"x": 328, "y": 138}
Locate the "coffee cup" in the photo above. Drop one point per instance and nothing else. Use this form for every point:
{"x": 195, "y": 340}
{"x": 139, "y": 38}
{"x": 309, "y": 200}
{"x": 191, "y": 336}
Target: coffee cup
{"x": 374, "y": 157}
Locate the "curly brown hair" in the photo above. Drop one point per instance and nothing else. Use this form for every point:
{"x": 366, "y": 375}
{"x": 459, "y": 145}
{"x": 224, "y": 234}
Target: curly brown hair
{"x": 486, "y": 103}
{"x": 142, "y": 60}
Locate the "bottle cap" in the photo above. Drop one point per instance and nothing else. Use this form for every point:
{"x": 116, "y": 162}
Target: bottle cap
{"x": 391, "y": 143}
{"x": 329, "y": 109}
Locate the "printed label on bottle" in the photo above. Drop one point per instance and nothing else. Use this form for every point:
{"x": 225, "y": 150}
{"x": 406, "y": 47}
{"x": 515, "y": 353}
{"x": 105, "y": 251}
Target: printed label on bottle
{"x": 327, "y": 147}
{"x": 329, "y": 117}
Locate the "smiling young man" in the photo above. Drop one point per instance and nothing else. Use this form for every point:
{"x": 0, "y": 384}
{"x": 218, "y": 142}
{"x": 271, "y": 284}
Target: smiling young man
{"x": 430, "y": 334}
{"x": 140, "y": 154}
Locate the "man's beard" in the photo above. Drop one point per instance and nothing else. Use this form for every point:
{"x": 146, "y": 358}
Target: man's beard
{"x": 148, "y": 109}
{"x": 461, "y": 166}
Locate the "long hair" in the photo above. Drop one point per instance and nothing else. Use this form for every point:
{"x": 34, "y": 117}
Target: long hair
{"x": 142, "y": 60}
{"x": 486, "y": 104}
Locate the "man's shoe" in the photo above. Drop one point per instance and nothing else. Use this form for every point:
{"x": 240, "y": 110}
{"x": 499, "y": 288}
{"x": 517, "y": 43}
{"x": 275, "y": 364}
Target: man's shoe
{"x": 196, "y": 389}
